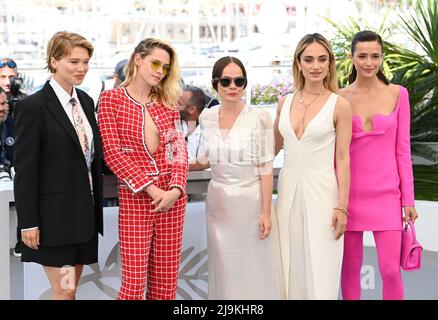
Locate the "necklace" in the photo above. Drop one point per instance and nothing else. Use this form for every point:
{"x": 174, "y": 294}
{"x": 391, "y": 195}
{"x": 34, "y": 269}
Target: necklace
{"x": 307, "y": 105}
{"x": 140, "y": 97}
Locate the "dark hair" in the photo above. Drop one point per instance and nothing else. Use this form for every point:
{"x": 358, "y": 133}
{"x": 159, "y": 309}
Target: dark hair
{"x": 211, "y": 102}
{"x": 120, "y": 69}
{"x": 2, "y": 90}
{"x": 219, "y": 67}
{"x": 366, "y": 36}
{"x": 197, "y": 99}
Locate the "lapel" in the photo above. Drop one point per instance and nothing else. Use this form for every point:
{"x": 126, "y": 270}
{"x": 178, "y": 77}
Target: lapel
{"x": 55, "y": 107}
{"x": 4, "y": 133}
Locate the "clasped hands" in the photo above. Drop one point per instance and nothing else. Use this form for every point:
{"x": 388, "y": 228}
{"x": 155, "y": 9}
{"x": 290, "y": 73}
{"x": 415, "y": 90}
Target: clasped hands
{"x": 163, "y": 200}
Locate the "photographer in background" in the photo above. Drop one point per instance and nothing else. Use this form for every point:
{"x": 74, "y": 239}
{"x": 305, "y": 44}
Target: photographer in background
{"x": 191, "y": 103}
{"x": 10, "y": 85}
{"x": 119, "y": 73}
{"x": 7, "y": 130}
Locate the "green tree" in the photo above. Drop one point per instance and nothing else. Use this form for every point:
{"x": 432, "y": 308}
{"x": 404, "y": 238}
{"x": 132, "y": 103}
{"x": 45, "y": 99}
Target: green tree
{"x": 395, "y": 56}
{"x": 420, "y": 75}
{"x": 416, "y": 70}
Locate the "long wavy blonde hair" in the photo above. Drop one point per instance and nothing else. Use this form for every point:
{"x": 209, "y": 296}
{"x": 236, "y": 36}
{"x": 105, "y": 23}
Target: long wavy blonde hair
{"x": 168, "y": 90}
{"x": 331, "y": 80}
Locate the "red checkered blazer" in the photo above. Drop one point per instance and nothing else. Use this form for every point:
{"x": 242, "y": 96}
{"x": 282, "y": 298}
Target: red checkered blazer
{"x": 121, "y": 124}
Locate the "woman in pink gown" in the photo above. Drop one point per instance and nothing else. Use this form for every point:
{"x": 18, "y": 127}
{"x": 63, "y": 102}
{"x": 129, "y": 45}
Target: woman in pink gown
{"x": 381, "y": 168}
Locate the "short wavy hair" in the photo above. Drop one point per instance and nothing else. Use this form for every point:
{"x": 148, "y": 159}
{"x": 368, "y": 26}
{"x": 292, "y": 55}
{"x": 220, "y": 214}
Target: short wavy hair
{"x": 61, "y": 45}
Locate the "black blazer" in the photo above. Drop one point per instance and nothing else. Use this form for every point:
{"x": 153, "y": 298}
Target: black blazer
{"x": 7, "y": 141}
{"x": 51, "y": 185}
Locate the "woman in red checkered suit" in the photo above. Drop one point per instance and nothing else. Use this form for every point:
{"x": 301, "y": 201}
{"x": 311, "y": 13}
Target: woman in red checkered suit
{"x": 144, "y": 146}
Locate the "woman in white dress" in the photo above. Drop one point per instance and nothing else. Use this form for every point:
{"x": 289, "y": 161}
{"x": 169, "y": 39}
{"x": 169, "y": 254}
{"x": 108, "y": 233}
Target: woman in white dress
{"x": 239, "y": 147}
{"x": 312, "y": 196}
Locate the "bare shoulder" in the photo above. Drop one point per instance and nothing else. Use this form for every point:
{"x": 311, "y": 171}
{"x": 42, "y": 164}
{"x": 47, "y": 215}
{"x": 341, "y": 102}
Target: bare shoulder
{"x": 394, "y": 89}
{"x": 343, "y": 109}
{"x": 342, "y": 92}
{"x": 342, "y": 103}
{"x": 281, "y": 102}
{"x": 345, "y": 92}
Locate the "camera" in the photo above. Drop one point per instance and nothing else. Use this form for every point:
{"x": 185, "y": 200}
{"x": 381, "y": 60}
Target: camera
{"x": 5, "y": 175}
{"x": 16, "y": 84}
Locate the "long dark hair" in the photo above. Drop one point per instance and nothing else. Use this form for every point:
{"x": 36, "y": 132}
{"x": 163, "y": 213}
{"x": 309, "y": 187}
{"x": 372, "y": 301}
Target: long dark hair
{"x": 366, "y": 36}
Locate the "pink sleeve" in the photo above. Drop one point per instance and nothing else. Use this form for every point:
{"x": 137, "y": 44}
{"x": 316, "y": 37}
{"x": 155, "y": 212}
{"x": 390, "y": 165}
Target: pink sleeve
{"x": 403, "y": 149}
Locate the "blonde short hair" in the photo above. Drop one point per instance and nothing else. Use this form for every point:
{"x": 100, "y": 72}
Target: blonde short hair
{"x": 61, "y": 44}
{"x": 331, "y": 80}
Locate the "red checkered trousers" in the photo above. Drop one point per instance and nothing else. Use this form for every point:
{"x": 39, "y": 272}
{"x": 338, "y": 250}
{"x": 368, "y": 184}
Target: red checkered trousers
{"x": 150, "y": 243}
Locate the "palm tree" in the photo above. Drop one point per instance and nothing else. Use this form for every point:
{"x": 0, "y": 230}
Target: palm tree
{"x": 341, "y": 45}
{"x": 420, "y": 75}
{"x": 416, "y": 70}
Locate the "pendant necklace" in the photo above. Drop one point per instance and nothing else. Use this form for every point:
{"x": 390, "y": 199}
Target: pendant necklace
{"x": 307, "y": 105}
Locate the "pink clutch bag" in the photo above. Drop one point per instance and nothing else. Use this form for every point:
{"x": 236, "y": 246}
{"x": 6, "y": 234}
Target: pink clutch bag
{"x": 411, "y": 249}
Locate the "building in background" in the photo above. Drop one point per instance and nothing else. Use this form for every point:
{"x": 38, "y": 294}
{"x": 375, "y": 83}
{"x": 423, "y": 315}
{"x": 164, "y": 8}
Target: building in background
{"x": 262, "y": 33}
{"x": 199, "y": 27}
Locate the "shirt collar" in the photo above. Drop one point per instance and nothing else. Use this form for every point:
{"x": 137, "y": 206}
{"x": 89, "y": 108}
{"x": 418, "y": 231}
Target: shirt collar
{"x": 62, "y": 95}
{"x": 197, "y": 130}
{"x": 185, "y": 128}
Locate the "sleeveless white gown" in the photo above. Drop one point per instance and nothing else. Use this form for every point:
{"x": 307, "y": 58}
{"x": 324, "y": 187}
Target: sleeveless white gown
{"x": 307, "y": 193}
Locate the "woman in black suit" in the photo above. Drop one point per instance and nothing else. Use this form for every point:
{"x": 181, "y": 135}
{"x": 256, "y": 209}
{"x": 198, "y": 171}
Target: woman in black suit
{"x": 58, "y": 180}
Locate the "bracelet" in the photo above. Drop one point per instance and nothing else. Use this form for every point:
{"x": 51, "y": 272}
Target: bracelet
{"x": 344, "y": 210}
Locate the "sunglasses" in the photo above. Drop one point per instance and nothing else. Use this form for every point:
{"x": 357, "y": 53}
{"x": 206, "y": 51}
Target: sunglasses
{"x": 157, "y": 65}
{"x": 8, "y": 63}
{"x": 226, "y": 82}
